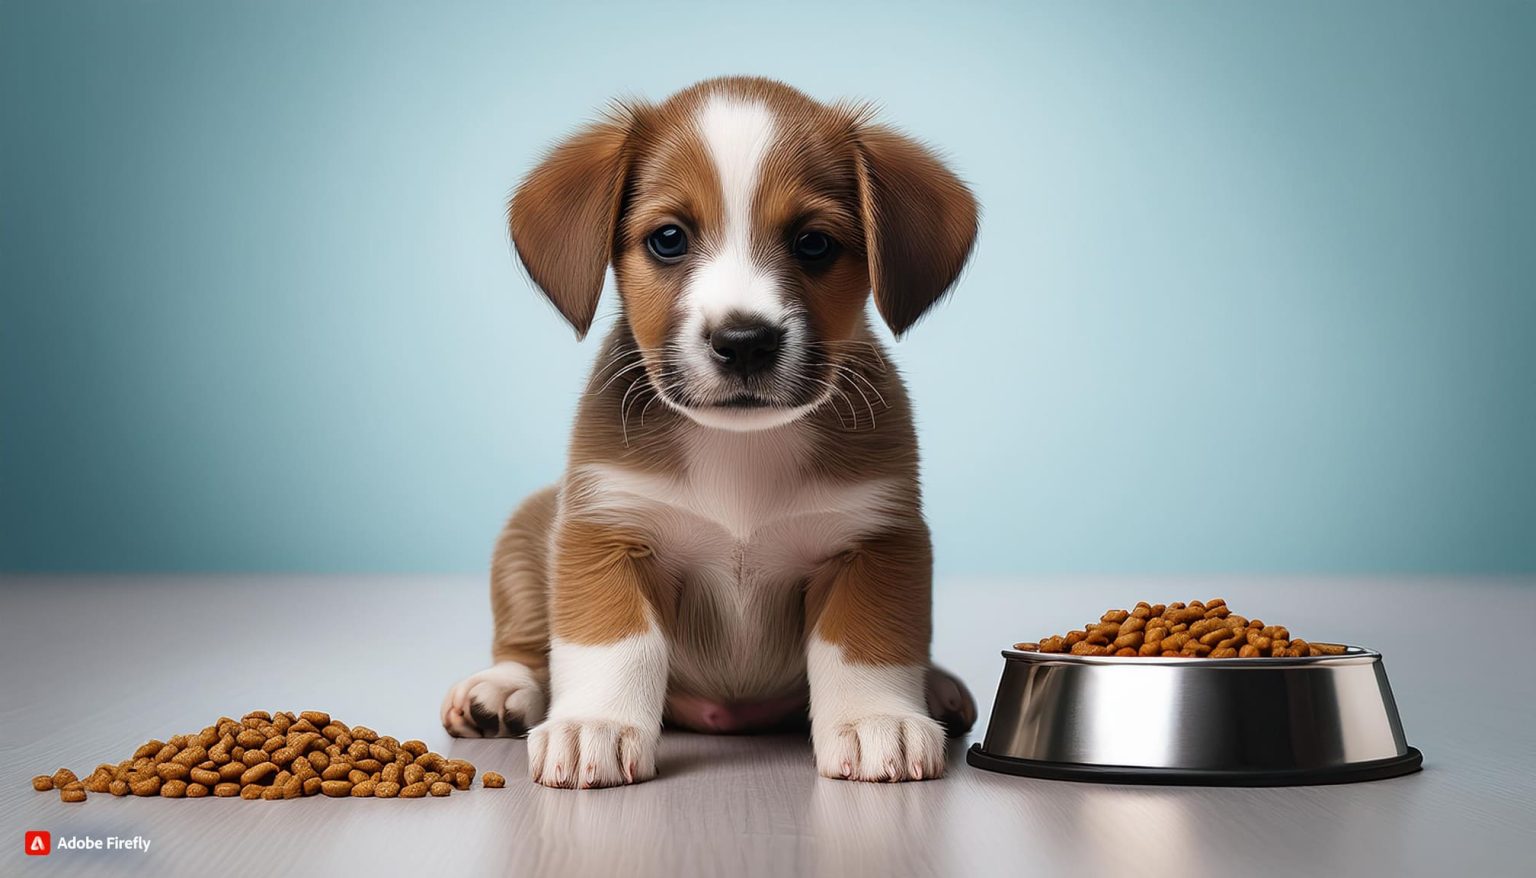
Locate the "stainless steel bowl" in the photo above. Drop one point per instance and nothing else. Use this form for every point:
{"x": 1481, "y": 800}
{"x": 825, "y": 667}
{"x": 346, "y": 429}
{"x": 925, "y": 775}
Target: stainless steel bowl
{"x": 1214, "y": 722}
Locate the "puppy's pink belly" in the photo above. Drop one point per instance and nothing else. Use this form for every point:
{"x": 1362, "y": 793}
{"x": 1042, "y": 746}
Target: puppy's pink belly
{"x": 710, "y": 715}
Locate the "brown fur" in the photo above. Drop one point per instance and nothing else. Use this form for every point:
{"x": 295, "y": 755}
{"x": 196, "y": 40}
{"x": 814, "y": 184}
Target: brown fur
{"x": 874, "y": 600}
{"x": 519, "y": 573}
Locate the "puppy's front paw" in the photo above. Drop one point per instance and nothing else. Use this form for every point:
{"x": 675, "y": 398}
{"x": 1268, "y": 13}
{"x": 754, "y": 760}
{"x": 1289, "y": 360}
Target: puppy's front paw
{"x": 883, "y": 747}
{"x": 500, "y": 701}
{"x": 590, "y": 753}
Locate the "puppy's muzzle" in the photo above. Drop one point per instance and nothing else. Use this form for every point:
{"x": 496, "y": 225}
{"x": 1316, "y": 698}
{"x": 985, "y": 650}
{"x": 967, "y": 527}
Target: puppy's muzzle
{"x": 745, "y": 348}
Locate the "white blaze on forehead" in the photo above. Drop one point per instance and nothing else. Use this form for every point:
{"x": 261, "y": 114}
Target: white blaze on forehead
{"x": 737, "y": 134}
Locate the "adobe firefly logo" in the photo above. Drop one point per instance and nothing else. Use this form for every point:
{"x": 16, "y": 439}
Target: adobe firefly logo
{"x": 38, "y": 843}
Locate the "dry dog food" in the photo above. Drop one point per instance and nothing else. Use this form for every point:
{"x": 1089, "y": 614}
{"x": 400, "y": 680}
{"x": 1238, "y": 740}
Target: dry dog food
{"x": 1198, "y": 629}
{"x": 274, "y": 756}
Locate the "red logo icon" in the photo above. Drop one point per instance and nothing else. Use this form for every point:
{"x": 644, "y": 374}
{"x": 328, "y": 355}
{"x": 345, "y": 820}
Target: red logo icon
{"x": 39, "y": 843}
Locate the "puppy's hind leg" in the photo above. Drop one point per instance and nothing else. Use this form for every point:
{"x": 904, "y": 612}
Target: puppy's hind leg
{"x": 949, "y": 701}
{"x": 509, "y": 697}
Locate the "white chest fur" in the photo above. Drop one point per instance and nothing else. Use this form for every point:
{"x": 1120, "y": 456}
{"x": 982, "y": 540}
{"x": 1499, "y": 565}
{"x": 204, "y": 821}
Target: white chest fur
{"x": 740, "y": 526}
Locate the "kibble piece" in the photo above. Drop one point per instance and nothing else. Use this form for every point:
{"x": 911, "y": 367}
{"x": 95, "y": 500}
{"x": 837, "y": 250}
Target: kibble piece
{"x": 72, "y": 792}
{"x": 413, "y": 791}
{"x": 311, "y": 785}
{"x": 493, "y": 780}
{"x": 148, "y": 748}
{"x": 258, "y": 773}
{"x": 149, "y": 786}
{"x": 172, "y": 771}
{"x": 386, "y": 790}
{"x": 173, "y": 789}
{"x": 442, "y": 788}
{"x": 204, "y": 776}
{"x": 336, "y": 788}
{"x": 364, "y": 790}
{"x": 42, "y": 783}
{"x": 63, "y": 778}
{"x": 225, "y": 790}
{"x": 252, "y": 791}
{"x": 118, "y": 788}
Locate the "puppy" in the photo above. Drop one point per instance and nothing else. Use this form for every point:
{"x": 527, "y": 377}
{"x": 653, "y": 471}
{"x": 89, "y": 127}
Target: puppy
{"x": 738, "y": 538}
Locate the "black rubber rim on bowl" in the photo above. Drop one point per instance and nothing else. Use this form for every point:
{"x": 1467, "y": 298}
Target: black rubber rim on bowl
{"x": 1379, "y": 769}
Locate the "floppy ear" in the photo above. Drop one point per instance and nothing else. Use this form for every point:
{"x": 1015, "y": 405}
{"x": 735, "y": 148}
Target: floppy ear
{"x": 919, "y": 224}
{"x": 563, "y": 218}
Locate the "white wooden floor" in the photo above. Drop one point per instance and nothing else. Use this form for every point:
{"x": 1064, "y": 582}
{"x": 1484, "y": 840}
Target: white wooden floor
{"x": 92, "y": 666}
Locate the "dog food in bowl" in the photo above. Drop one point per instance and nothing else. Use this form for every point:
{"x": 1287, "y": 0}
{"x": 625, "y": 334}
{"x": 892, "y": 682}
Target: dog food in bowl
{"x": 1198, "y": 629}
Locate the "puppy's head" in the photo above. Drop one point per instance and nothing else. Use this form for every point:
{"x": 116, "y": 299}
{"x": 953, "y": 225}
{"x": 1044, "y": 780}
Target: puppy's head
{"x": 746, "y": 225}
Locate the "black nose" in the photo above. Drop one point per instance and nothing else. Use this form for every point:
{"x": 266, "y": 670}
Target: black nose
{"x": 745, "y": 348}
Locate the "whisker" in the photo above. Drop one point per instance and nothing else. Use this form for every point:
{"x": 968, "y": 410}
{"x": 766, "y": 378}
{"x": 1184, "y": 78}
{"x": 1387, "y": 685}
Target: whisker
{"x": 631, "y": 367}
{"x": 851, "y": 410}
{"x": 655, "y": 395}
{"x": 612, "y": 361}
{"x": 870, "y": 384}
{"x": 624, "y": 408}
{"x": 827, "y": 385}
{"x": 842, "y": 371}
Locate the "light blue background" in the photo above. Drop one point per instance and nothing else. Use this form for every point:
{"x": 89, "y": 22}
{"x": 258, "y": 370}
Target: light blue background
{"x": 1256, "y": 289}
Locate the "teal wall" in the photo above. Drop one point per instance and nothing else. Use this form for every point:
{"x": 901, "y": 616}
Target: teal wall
{"x": 1256, "y": 289}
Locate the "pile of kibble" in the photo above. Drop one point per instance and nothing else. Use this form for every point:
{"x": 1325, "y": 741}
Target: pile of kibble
{"x": 275, "y": 756}
{"x": 1198, "y": 629}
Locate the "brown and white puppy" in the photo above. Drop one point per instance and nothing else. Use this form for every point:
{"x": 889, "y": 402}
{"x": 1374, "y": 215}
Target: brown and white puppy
{"x": 738, "y": 536}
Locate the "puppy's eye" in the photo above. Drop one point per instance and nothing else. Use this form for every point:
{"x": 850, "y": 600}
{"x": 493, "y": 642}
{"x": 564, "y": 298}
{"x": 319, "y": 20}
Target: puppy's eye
{"x": 814, "y": 247}
{"x": 668, "y": 243}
